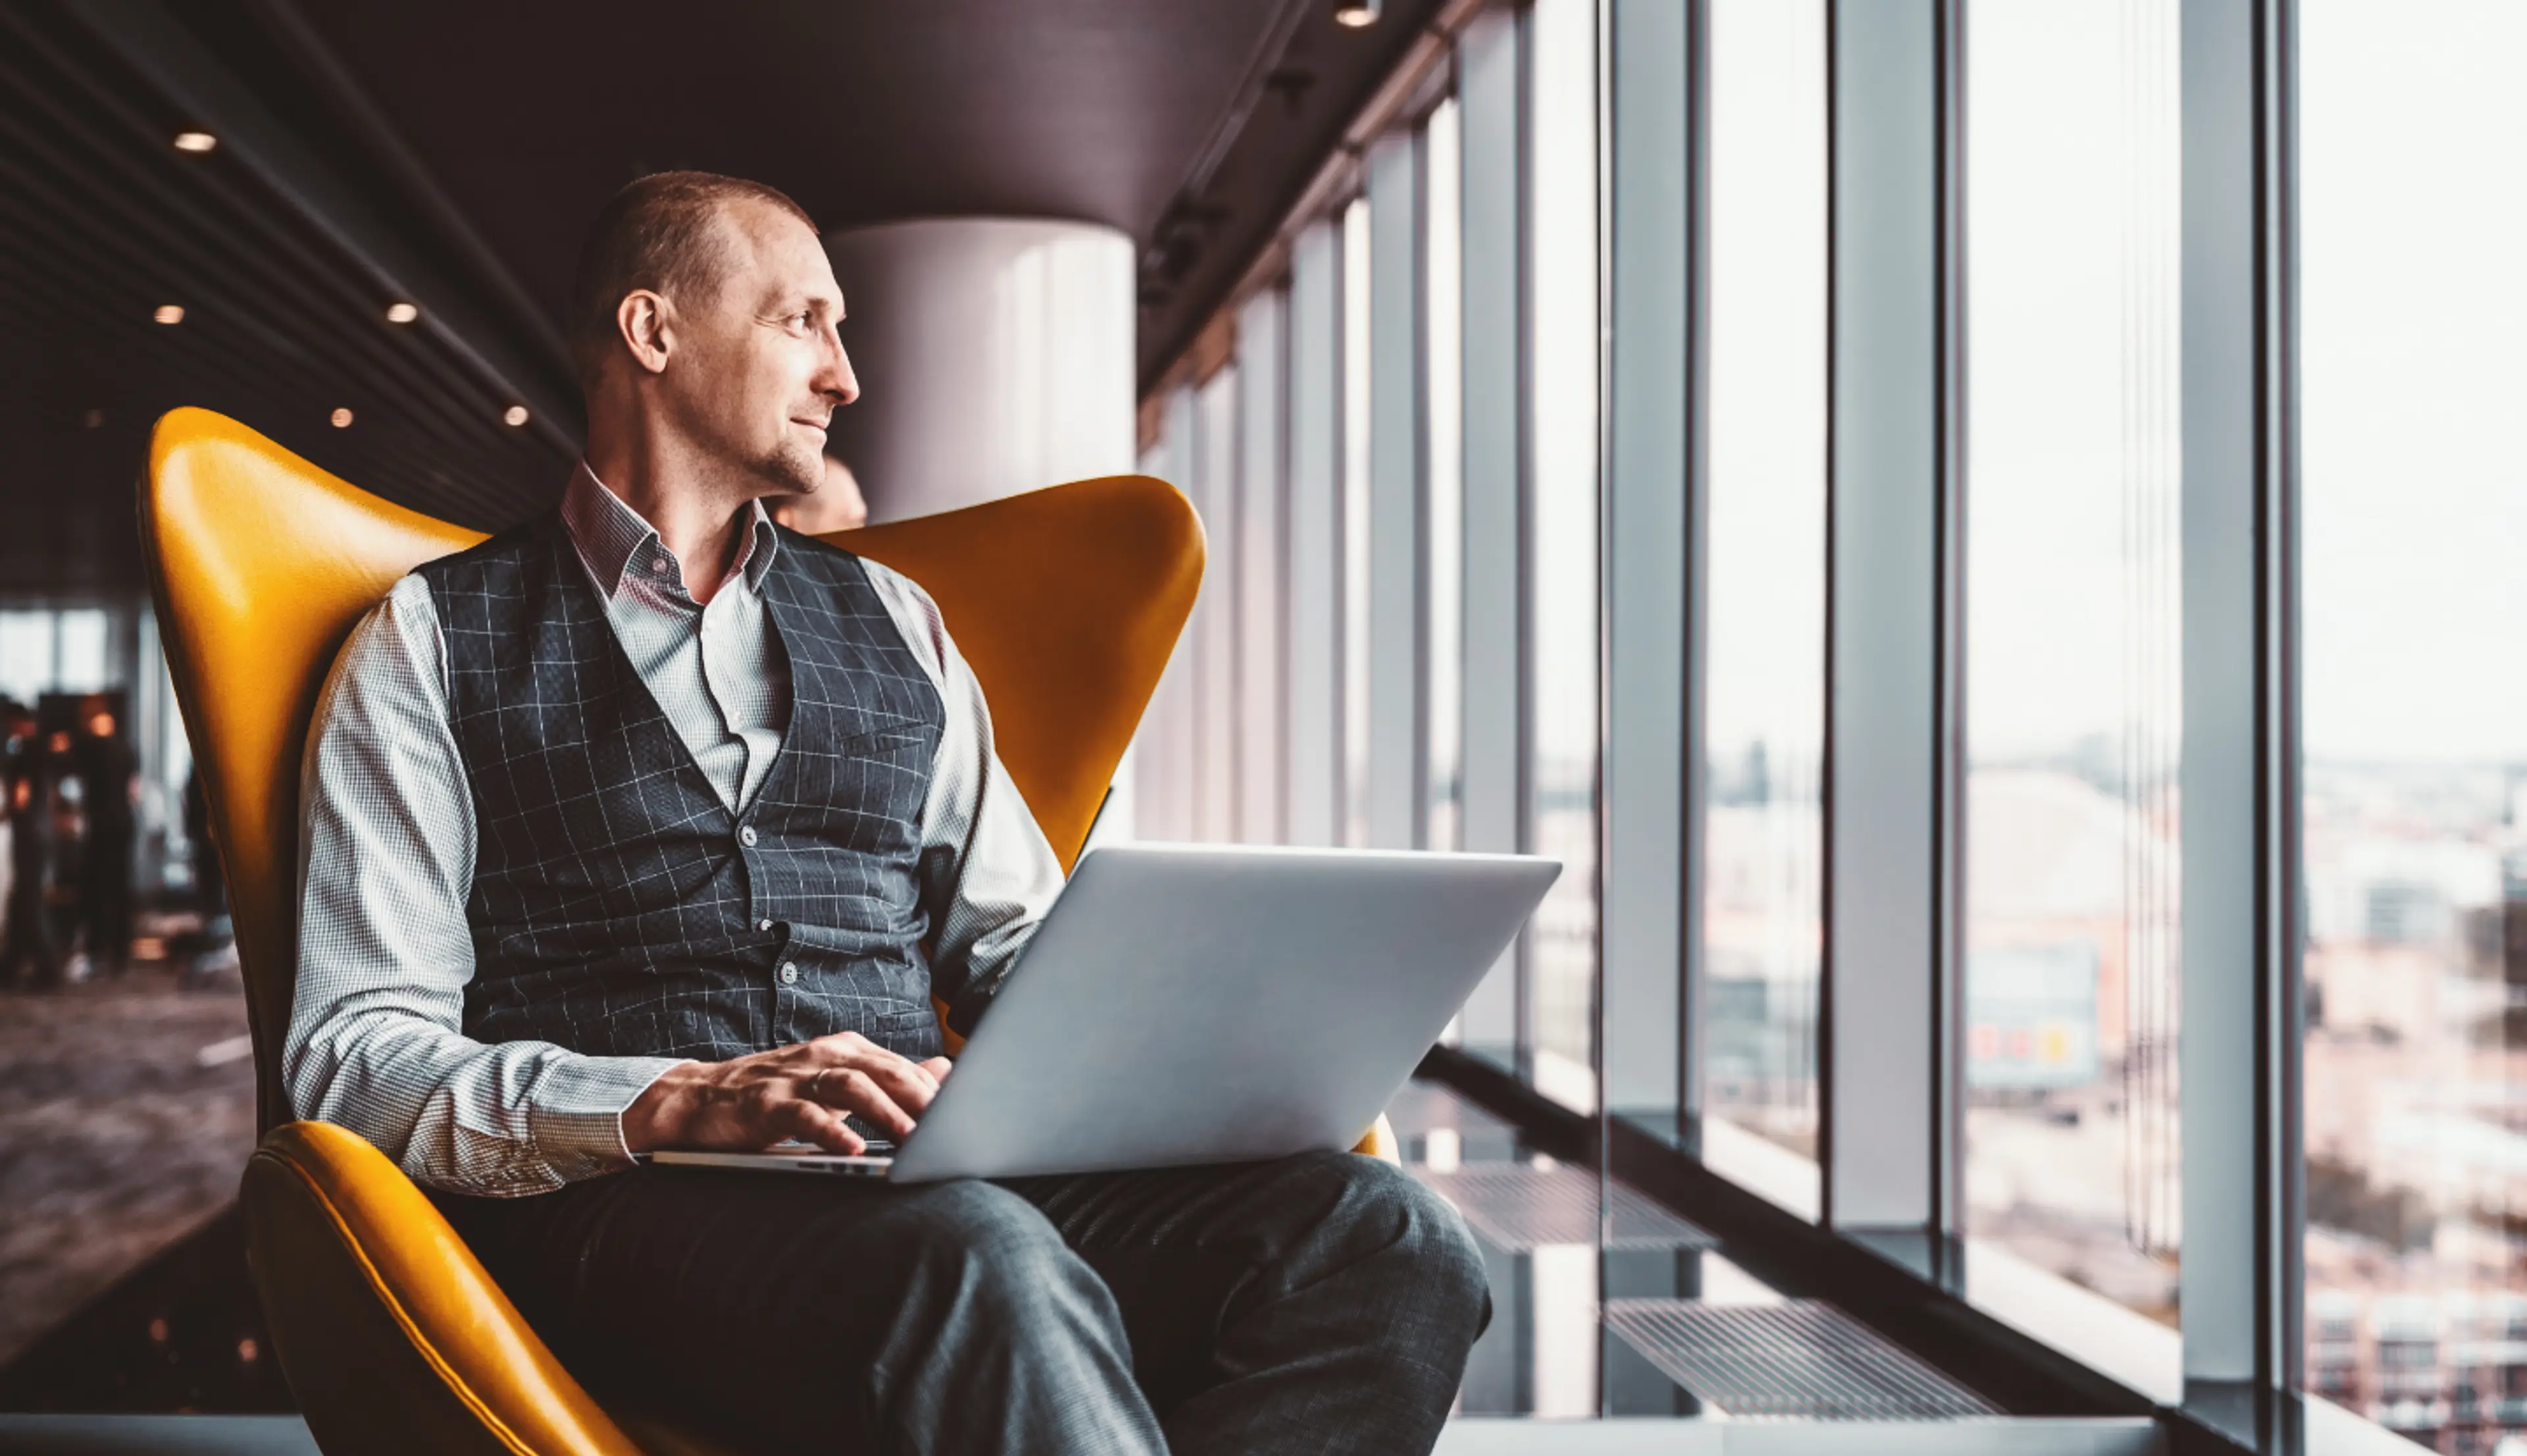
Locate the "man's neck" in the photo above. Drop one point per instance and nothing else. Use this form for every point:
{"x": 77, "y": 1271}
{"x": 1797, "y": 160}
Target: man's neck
{"x": 703, "y": 527}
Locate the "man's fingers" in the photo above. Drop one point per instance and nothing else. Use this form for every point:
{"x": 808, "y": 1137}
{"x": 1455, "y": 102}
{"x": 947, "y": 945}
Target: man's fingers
{"x": 938, "y": 1068}
{"x": 856, "y": 1090}
{"x": 904, "y": 1082}
{"x": 811, "y": 1122}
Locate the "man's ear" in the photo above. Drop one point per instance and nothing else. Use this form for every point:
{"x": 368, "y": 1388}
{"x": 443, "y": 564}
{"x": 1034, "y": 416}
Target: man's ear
{"x": 645, "y": 321}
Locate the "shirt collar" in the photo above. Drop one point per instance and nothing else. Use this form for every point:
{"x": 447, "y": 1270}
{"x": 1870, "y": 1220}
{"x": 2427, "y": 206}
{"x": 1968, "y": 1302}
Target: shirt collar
{"x": 614, "y": 540}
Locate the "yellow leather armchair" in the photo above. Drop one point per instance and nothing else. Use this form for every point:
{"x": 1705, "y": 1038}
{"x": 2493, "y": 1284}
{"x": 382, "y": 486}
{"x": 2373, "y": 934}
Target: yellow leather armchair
{"x": 1065, "y": 601}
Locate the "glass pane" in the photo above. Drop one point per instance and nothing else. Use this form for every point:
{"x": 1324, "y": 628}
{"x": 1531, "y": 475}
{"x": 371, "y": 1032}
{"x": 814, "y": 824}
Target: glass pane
{"x": 1443, "y": 337}
{"x": 1562, "y": 549}
{"x": 2412, "y": 128}
{"x": 1355, "y": 523}
{"x": 1764, "y": 685}
{"x": 2073, "y": 714}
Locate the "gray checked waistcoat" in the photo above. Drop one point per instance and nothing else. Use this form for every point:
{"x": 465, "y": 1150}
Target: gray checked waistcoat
{"x": 619, "y": 907}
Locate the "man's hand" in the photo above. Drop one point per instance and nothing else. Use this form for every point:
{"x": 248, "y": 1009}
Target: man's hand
{"x": 797, "y": 1091}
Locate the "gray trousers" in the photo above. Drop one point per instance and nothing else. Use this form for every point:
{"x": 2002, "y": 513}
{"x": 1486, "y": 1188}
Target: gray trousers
{"x": 1321, "y": 1303}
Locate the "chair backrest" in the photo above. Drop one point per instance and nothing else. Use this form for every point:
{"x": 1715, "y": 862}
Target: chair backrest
{"x": 1066, "y": 602}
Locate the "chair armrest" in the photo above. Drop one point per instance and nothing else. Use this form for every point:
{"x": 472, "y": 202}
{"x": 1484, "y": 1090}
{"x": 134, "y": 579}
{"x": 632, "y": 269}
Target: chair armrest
{"x": 391, "y": 1334}
{"x": 1379, "y": 1143}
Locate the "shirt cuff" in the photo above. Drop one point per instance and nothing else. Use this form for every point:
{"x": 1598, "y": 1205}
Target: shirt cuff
{"x": 576, "y": 1114}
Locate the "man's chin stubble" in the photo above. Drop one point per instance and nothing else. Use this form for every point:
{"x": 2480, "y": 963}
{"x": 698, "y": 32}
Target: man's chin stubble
{"x": 791, "y": 476}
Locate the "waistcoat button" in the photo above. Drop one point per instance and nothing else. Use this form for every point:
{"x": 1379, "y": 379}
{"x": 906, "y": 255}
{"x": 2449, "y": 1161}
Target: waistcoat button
{"x": 788, "y": 972}
{"x": 746, "y": 836}
{"x": 763, "y": 925}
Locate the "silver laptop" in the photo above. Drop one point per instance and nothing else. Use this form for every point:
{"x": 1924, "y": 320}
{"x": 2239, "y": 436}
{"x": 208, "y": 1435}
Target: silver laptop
{"x": 1190, "y": 1004}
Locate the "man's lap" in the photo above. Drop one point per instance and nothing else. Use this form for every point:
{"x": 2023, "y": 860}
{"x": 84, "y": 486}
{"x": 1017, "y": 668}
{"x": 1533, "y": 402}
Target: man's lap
{"x": 779, "y": 1278}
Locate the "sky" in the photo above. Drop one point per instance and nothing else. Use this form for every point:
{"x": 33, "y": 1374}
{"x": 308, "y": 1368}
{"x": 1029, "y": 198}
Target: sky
{"x": 2413, "y": 310}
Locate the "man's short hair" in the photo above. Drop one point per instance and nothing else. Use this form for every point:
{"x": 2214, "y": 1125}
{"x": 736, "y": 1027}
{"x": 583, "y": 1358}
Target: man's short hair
{"x": 660, "y": 233}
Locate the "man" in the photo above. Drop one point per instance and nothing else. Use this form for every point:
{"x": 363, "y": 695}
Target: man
{"x": 651, "y": 824}
{"x": 109, "y": 775}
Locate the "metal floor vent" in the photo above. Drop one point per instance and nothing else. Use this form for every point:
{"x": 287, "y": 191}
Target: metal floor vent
{"x": 1802, "y": 1358}
{"x": 1517, "y": 1208}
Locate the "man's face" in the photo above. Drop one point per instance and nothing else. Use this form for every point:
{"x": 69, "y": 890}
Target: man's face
{"x": 758, "y": 370}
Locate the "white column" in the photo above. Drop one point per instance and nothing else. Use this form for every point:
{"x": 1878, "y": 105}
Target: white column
{"x": 1654, "y": 566}
{"x": 995, "y": 356}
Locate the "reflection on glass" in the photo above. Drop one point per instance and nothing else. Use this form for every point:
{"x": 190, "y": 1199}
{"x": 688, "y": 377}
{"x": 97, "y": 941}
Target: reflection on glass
{"x": 1443, "y": 370}
{"x": 1355, "y": 523}
{"x": 2072, "y": 717}
{"x": 2415, "y": 508}
{"x": 1562, "y": 963}
{"x": 1765, "y": 680}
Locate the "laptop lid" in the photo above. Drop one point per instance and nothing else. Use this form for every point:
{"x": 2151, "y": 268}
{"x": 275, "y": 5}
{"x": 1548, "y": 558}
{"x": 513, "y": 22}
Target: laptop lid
{"x": 1199, "y": 1004}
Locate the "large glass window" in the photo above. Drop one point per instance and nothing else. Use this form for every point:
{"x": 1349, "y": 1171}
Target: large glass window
{"x": 1563, "y": 547}
{"x": 2073, "y": 713}
{"x": 1443, "y": 393}
{"x": 2414, "y": 490}
{"x": 1763, "y": 886}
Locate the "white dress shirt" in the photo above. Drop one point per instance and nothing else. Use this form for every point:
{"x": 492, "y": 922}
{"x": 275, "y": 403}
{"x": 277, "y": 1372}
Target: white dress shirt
{"x": 387, "y": 842}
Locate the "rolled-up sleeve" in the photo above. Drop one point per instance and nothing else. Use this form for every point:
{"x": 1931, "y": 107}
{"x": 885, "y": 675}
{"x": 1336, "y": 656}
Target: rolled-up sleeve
{"x": 987, "y": 874}
{"x": 375, "y": 1041}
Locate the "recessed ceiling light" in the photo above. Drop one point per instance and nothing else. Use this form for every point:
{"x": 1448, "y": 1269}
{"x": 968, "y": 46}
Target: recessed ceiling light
{"x": 93, "y": 419}
{"x": 170, "y": 313}
{"x": 402, "y": 312}
{"x": 1356, "y": 14}
{"x": 341, "y": 419}
{"x": 514, "y": 415}
{"x": 195, "y": 141}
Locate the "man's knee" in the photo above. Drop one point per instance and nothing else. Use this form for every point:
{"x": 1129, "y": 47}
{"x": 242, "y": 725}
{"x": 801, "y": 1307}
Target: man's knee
{"x": 995, "y": 1254}
{"x": 1422, "y": 1227}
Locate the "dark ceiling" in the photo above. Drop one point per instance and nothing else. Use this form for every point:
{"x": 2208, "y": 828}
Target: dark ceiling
{"x": 452, "y": 151}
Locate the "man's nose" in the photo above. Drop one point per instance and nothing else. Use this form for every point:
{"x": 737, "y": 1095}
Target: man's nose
{"x": 835, "y": 378}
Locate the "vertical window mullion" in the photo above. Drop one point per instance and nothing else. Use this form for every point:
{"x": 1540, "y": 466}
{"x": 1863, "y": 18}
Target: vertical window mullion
{"x": 1890, "y": 750}
{"x": 2239, "y": 1061}
{"x": 1262, "y": 434}
{"x": 1492, "y": 100}
{"x": 1313, "y": 616}
{"x": 1650, "y": 581}
{"x": 1397, "y": 744}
